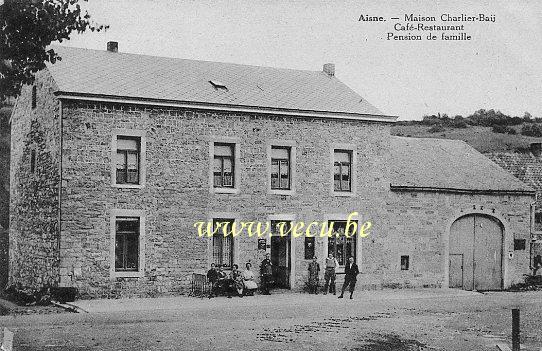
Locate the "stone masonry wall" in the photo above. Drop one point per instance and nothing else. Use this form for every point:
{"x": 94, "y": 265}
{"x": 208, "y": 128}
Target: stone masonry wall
{"x": 177, "y": 192}
{"x": 34, "y": 207}
{"x": 418, "y": 227}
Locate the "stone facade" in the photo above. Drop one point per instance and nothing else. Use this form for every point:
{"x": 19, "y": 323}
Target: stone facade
{"x": 4, "y": 257}
{"x": 74, "y": 140}
{"x": 176, "y": 193}
{"x": 34, "y": 203}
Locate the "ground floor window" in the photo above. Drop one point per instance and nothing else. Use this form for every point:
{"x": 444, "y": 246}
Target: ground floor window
{"x": 222, "y": 244}
{"x": 127, "y": 231}
{"x": 341, "y": 244}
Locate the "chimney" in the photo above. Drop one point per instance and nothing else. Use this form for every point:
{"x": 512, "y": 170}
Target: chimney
{"x": 329, "y": 69}
{"x": 536, "y": 149}
{"x": 112, "y": 46}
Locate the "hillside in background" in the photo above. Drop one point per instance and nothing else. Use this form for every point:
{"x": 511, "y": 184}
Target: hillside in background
{"x": 480, "y": 138}
{"x": 485, "y": 130}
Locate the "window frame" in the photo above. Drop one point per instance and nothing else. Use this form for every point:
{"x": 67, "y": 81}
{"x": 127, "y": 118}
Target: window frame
{"x": 291, "y": 146}
{"x": 126, "y": 153}
{"x": 235, "y": 164}
{"x": 128, "y": 134}
{"x": 220, "y": 234}
{"x": 404, "y": 263}
{"x": 34, "y": 96}
{"x": 122, "y": 213}
{"x": 353, "y": 240}
{"x": 33, "y": 160}
{"x": 125, "y": 234}
{"x": 222, "y": 159}
{"x": 351, "y": 149}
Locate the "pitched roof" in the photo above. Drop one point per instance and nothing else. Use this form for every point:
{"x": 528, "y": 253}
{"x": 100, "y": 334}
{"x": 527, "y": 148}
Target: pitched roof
{"x": 525, "y": 166}
{"x": 104, "y": 73}
{"x": 447, "y": 165}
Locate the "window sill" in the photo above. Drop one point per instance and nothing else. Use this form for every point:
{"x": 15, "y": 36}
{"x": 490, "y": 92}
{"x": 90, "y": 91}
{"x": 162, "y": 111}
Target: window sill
{"x": 281, "y": 192}
{"x": 343, "y": 193}
{"x": 138, "y": 274}
{"x": 129, "y": 186}
{"x": 225, "y": 190}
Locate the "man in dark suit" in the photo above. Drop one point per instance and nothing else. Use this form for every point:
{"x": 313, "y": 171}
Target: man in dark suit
{"x": 350, "y": 276}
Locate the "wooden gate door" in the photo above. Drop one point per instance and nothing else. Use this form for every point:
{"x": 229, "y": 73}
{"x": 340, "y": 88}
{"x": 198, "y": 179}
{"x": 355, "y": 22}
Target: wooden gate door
{"x": 456, "y": 271}
{"x": 488, "y": 238}
{"x": 478, "y": 239}
{"x": 461, "y": 244}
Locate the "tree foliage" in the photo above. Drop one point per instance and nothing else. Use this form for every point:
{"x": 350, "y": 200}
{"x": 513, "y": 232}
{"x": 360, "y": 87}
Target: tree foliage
{"x": 27, "y": 27}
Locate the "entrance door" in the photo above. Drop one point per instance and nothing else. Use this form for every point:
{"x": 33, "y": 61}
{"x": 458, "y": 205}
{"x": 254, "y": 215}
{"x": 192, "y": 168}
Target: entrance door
{"x": 280, "y": 258}
{"x": 456, "y": 271}
{"x": 478, "y": 239}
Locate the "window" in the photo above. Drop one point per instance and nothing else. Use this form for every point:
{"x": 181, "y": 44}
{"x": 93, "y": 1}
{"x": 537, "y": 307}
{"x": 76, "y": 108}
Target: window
{"x": 127, "y": 231}
{"x": 404, "y": 263}
{"x": 280, "y": 167}
{"x": 341, "y": 244}
{"x": 342, "y": 174}
{"x": 128, "y": 160}
{"x": 32, "y": 161}
{"x": 538, "y": 221}
{"x": 34, "y": 96}
{"x": 519, "y": 244}
{"x": 309, "y": 247}
{"x": 223, "y": 165}
{"x": 222, "y": 244}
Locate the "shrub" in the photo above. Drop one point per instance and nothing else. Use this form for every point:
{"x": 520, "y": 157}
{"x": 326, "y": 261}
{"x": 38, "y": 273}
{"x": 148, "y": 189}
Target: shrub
{"x": 499, "y": 129}
{"x": 437, "y": 128}
{"x": 531, "y": 130}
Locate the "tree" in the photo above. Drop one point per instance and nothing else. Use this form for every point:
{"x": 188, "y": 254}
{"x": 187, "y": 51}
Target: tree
{"x": 27, "y": 27}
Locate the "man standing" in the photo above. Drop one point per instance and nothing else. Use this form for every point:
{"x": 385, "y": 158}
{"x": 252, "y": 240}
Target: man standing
{"x": 329, "y": 274}
{"x": 351, "y": 272}
{"x": 266, "y": 272}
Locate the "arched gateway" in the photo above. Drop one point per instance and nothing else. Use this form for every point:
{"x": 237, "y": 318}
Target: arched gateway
{"x": 476, "y": 246}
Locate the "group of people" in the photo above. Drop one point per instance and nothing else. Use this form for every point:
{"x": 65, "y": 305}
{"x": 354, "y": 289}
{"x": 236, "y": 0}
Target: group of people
{"x": 351, "y": 272}
{"x": 243, "y": 283}
{"x": 237, "y": 282}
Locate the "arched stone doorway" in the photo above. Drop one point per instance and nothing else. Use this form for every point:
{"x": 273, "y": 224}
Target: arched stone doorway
{"x": 476, "y": 247}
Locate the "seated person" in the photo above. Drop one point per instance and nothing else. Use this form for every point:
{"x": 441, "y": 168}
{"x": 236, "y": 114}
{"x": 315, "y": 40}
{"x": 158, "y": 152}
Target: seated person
{"x": 212, "y": 276}
{"x": 248, "y": 280}
{"x": 237, "y": 280}
{"x": 222, "y": 281}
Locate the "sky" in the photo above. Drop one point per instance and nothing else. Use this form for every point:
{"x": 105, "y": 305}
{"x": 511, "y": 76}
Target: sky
{"x": 499, "y": 68}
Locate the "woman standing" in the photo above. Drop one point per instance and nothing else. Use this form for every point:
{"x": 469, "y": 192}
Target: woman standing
{"x": 314, "y": 270}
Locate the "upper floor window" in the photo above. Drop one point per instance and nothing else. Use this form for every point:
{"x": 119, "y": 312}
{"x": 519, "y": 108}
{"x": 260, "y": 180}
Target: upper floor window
{"x": 34, "y": 96}
{"x": 224, "y": 165}
{"x": 342, "y": 174}
{"x": 127, "y": 244}
{"x": 128, "y": 160}
{"x": 32, "y": 161}
{"x": 538, "y": 221}
{"x": 280, "y": 167}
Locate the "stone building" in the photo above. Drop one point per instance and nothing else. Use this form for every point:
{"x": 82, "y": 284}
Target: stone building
{"x": 115, "y": 158}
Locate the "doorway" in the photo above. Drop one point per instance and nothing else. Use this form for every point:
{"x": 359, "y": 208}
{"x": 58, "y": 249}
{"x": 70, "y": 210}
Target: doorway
{"x": 475, "y": 260}
{"x": 281, "y": 260}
